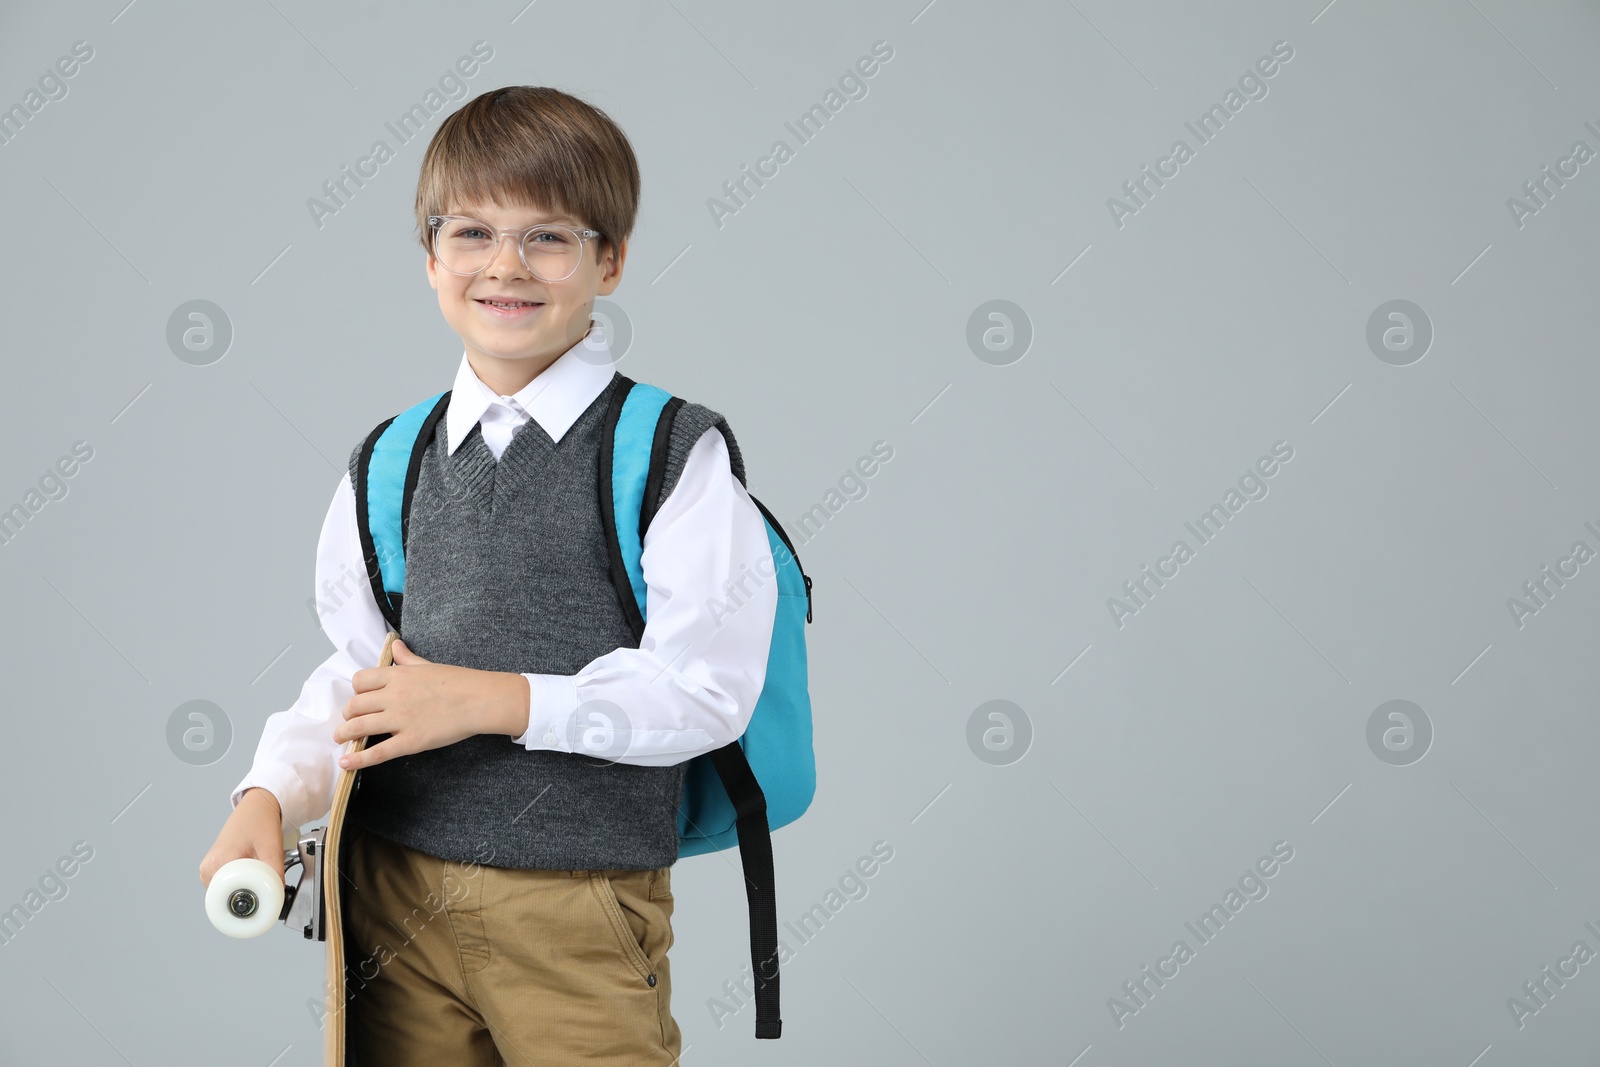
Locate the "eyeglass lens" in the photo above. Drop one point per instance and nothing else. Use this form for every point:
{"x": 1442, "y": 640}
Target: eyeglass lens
{"x": 467, "y": 246}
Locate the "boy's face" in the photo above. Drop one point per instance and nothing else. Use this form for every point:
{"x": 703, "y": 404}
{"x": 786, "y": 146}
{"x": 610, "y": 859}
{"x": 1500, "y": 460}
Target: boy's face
{"x": 510, "y": 350}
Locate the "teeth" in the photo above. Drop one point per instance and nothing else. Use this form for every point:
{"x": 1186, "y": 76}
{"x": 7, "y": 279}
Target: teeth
{"x": 493, "y": 303}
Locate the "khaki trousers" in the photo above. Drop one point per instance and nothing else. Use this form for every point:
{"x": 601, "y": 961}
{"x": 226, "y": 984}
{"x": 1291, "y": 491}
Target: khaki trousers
{"x": 475, "y": 966}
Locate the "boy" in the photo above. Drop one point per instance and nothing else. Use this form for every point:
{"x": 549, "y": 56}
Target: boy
{"x": 545, "y": 870}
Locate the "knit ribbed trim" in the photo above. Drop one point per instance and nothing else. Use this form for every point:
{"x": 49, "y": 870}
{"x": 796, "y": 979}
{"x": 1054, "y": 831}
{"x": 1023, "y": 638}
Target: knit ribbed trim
{"x": 521, "y": 471}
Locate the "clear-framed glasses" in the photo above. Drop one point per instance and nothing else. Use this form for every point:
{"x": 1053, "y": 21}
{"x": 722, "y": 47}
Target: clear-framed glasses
{"x": 465, "y": 245}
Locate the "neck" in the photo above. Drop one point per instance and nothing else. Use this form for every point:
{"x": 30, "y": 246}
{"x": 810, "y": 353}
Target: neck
{"x": 507, "y": 377}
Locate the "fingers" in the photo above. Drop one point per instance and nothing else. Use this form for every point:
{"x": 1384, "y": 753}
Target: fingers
{"x": 361, "y": 704}
{"x": 368, "y": 678}
{"x": 384, "y": 750}
{"x": 364, "y": 724}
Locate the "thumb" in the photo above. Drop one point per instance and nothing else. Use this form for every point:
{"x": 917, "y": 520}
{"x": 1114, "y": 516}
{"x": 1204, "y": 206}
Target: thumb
{"x": 402, "y": 653}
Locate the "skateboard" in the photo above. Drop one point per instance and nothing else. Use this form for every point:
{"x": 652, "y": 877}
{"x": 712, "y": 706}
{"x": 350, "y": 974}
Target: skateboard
{"x": 246, "y": 898}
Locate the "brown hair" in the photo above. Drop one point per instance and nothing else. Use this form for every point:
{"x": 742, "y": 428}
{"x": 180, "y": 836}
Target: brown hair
{"x": 535, "y": 147}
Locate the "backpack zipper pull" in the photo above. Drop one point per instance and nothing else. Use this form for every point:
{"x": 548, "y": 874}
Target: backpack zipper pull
{"x": 808, "y": 595}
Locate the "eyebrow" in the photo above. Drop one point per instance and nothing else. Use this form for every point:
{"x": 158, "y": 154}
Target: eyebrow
{"x": 537, "y": 219}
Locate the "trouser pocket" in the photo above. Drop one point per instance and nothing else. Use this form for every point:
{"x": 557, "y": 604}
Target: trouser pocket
{"x": 641, "y": 925}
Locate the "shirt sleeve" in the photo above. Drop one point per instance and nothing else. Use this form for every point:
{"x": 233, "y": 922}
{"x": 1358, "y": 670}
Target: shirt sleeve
{"x": 711, "y": 598}
{"x": 297, "y": 757}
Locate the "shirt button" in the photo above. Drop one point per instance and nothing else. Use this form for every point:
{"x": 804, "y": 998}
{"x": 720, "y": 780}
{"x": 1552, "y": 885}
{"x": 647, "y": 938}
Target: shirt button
{"x": 550, "y": 738}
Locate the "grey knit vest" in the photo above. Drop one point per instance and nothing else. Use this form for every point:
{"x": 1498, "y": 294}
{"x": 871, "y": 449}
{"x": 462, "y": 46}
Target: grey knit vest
{"x": 507, "y": 570}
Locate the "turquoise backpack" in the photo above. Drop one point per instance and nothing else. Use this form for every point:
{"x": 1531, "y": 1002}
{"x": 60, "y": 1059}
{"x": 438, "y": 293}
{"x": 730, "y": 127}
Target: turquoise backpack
{"x": 736, "y": 795}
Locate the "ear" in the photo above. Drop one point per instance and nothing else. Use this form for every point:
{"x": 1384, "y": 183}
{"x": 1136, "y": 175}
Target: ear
{"x": 433, "y": 271}
{"x": 611, "y": 268}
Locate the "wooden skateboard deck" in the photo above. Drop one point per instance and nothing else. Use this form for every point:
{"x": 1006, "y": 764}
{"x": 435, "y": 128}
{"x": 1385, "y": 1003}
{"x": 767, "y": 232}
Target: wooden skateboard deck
{"x": 334, "y": 1033}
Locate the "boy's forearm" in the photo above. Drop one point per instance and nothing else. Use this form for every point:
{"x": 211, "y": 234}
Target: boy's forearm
{"x": 258, "y": 795}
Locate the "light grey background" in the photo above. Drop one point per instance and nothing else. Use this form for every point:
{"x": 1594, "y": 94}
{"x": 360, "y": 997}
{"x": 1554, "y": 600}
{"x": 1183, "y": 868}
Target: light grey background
{"x": 1166, "y": 755}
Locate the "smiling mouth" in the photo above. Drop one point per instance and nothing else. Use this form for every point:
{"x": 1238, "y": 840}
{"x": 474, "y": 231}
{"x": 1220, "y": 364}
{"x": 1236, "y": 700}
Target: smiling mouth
{"x": 514, "y": 306}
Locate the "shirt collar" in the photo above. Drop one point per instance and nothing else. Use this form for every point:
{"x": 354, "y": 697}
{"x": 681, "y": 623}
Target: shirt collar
{"x": 562, "y": 392}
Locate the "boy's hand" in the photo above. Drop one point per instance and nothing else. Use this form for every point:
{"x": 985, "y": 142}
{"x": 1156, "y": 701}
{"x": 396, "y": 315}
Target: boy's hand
{"x": 426, "y": 705}
{"x": 253, "y": 831}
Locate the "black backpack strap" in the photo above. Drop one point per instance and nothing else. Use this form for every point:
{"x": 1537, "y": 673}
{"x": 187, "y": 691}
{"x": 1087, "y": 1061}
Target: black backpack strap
{"x": 744, "y": 792}
{"x": 755, "y": 856}
{"x": 658, "y": 464}
{"x": 369, "y": 551}
{"x": 608, "y": 511}
{"x": 424, "y": 436}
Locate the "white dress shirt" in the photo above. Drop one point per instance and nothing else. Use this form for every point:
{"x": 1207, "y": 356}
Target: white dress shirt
{"x": 690, "y": 686}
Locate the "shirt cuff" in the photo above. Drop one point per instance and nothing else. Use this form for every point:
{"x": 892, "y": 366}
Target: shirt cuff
{"x": 552, "y": 698}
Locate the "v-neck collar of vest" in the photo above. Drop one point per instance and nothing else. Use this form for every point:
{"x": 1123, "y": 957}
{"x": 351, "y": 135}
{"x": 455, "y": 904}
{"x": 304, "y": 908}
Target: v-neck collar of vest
{"x": 474, "y": 461}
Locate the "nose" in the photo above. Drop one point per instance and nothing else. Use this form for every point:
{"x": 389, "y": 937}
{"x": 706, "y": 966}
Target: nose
{"x": 507, "y": 261}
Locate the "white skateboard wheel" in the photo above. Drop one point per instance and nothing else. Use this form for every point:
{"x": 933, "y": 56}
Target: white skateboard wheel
{"x": 244, "y": 898}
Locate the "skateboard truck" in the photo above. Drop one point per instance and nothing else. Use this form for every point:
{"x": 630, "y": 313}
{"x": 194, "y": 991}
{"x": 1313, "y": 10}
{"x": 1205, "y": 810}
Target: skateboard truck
{"x": 303, "y": 911}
